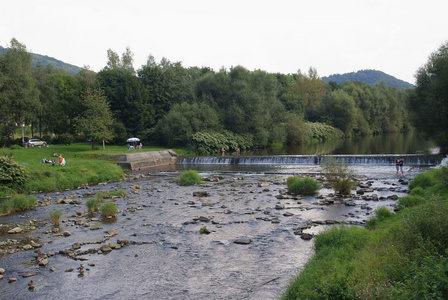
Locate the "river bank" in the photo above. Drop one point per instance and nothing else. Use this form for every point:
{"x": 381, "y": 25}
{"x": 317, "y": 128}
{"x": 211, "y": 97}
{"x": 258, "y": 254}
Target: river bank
{"x": 153, "y": 249}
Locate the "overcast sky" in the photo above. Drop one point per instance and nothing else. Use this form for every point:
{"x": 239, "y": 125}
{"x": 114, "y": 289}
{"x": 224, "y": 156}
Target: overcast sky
{"x": 393, "y": 36}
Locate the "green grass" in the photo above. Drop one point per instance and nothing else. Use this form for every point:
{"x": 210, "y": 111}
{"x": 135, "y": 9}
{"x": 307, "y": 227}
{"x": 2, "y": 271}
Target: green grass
{"x": 189, "y": 177}
{"x": 303, "y": 186}
{"x": 108, "y": 209}
{"x": 396, "y": 256}
{"x": 55, "y": 215}
{"x": 17, "y": 203}
{"x": 83, "y": 166}
{"x": 92, "y": 205}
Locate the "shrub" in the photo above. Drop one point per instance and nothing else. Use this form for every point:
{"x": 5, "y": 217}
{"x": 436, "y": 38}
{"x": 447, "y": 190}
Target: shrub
{"x": 108, "y": 210}
{"x": 55, "y": 215}
{"x": 291, "y": 180}
{"x": 189, "y": 177}
{"x": 423, "y": 180}
{"x": 417, "y": 191}
{"x": 304, "y": 186}
{"x": 338, "y": 175}
{"x": 343, "y": 186}
{"x": 12, "y": 175}
{"x": 409, "y": 201}
{"x": 383, "y": 213}
{"x": 92, "y": 205}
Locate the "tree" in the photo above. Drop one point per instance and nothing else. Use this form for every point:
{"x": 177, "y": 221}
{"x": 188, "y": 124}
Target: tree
{"x": 19, "y": 101}
{"x": 95, "y": 121}
{"x": 310, "y": 89}
{"x": 429, "y": 103}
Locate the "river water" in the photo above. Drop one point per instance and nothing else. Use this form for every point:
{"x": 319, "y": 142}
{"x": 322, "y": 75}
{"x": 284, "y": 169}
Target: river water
{"x": 167, "y": 257}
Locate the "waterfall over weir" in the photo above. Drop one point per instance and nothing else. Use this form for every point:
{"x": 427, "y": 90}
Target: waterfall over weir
{"x": 368, "y": 159}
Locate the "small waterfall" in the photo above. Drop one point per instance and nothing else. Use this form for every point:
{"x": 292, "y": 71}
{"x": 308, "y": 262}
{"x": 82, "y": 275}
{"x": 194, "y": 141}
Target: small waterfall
{"x": 370, "y": 159}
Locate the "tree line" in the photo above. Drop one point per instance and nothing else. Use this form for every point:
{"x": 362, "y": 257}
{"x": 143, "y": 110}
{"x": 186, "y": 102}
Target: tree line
{"x": 168, "y": 104}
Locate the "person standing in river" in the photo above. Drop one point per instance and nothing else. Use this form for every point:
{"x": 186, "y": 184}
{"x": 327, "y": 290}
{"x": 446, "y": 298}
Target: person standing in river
{"x": 399, "y": 165}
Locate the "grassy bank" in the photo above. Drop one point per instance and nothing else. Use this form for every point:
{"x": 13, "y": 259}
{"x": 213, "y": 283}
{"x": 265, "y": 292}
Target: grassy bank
{"x": 83, "y": 166}
{"x": 401, "y": 255}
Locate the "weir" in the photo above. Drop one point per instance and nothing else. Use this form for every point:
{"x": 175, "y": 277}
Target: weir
{"x": 367, "y": 159}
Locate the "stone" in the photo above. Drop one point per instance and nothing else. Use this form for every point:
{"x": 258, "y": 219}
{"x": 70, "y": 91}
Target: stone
{"x": 105, "y": 249}
{"x": 112, "y": 232}
{"x": 392, "y": 197}
{"x": 279, "y": 206}
{"x": 201, "y": 194}
{"x": 16, "y": 230}
{"x": 243, "y": 241}
{"x": 288, "y": 214}
{"x": 43, "y": 262}
{"x": 12, "y": 279}
{"x": 29, "y": 274}
{"x": 2, "y": 271}
{"x": 66, "y": 233}
{"x": 306, "y": 236}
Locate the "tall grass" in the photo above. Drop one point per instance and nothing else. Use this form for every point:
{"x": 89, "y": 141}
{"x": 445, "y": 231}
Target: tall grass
{"x": 17, "y": 203}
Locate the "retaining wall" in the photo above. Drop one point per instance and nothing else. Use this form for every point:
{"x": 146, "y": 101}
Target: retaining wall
{"x": 147, "y": 160}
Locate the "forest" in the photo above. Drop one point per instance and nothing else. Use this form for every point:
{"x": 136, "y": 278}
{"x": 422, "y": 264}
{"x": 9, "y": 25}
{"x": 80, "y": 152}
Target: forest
{"x": 168, "y": 104}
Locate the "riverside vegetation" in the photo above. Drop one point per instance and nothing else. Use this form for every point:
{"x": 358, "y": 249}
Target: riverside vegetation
{"x": 402, "y": 255}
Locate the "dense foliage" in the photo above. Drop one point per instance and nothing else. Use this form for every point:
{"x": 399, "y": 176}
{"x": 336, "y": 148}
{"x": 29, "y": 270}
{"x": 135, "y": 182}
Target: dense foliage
{"x": 12, "y": 175}
{"x": 429, "y": 104}
{"x": 166, "y": 103}
{"x": 397, "y": 256}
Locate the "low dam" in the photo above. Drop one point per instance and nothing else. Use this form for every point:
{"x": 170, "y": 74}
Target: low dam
{"x": 372, "y": 159}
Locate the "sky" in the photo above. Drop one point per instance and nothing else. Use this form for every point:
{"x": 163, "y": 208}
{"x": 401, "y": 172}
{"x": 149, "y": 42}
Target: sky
{"x": 285, "y": 36}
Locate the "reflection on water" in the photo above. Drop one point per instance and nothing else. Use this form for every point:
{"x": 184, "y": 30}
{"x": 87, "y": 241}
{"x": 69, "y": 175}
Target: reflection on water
{"x": 391, "y": 143}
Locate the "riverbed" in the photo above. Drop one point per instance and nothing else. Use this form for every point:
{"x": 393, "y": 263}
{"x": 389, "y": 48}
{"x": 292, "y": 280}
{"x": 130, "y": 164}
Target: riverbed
{"x": 252, "y": 247}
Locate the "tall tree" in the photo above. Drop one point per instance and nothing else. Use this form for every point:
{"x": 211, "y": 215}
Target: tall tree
{"x": 429, "y": 103}
{"x": 310, "y": 89}
{"x": 19, "y": 100}
{"x": 96, "y": 119}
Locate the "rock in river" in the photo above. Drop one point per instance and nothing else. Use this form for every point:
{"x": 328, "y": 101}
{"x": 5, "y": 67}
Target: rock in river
{"x": 243, "y": 241}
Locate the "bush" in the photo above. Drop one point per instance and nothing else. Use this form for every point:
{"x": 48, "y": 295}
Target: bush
{"x": 55, "y": 215}
{"x": 304, "y": 186}
{"x": 12, "y": 175}
{"x": 409, "y": 201}
{"x": 383, "y": 213}
{"x": 343, "y": 186}
{"x": 338, "y": 175}
{"x": 92, "y": 205}
{"x": 189, "y": 177}
{"x": 108, "y": 210}
{"x": 17, "y": 203}
{"x": 423, "y": 180}
{"x": 291, "y": 180}
{"x": 417, "y": 191}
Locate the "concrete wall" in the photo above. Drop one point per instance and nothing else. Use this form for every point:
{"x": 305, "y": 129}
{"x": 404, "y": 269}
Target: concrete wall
{"x": 147, "y": 160}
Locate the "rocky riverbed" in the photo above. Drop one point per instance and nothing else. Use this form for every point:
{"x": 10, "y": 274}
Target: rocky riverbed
{"x": 235, "y": 236}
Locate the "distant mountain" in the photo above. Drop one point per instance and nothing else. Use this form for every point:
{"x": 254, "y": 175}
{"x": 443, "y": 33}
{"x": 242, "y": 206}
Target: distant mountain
{"x": 44, "y": 60}
{"x": 369, "y": 76}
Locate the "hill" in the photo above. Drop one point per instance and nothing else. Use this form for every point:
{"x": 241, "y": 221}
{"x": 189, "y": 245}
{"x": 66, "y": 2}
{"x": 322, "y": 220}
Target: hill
{"x": 369, "y": 76}
{"x": 44, "y": 60}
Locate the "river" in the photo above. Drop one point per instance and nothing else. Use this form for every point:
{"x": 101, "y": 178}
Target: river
{"x": 166, "y": 257}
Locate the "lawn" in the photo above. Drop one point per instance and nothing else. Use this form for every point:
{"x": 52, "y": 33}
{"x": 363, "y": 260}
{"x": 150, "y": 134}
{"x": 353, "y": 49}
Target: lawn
{"x": 83, "y": 165}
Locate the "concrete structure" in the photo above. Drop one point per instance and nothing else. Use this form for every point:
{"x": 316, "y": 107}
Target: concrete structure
{"x": 147, "y": 160}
